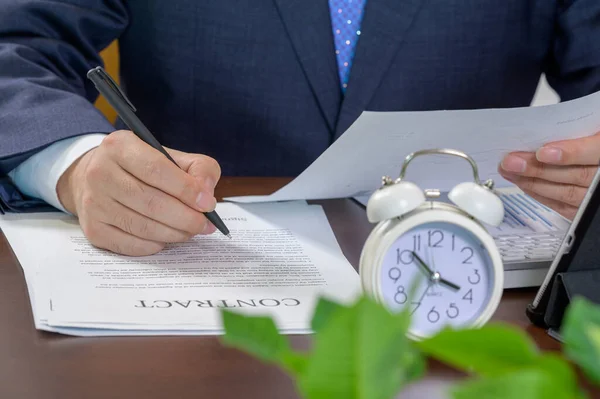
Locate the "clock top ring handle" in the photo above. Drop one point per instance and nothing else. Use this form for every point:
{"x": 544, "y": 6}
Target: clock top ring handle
{"x": 443, "y": 151}
{"x": 397, "y": 198}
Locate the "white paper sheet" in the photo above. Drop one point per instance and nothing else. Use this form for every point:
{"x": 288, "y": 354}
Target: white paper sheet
{"x": 281, "y": 259}
{"x": 377, "y": 143}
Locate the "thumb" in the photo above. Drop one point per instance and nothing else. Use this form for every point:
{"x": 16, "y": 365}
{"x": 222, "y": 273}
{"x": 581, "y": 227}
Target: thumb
{"x": 580, "y": 151}
{"x": 206, "y": 169}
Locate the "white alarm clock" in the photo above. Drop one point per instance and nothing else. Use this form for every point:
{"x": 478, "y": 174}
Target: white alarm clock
{"x": 440, "y": 250}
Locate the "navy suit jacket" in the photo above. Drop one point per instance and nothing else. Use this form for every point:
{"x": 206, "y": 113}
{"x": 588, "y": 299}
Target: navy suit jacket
{"x": 254, "y": 83}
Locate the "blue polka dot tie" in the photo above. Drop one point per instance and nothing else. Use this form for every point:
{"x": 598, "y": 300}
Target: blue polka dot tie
{"x": 346, "y": 16}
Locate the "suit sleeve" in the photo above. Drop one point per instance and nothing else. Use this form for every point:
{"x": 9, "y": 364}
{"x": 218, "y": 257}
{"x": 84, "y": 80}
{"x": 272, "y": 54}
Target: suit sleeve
{"x": 46, "y": 49}
{"x": 574, "y": 63}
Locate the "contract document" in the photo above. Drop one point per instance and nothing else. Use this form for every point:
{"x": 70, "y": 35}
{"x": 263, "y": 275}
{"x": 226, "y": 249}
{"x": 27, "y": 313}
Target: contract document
{"x": 377, "y": 143}
{"x": 281, "y": 259}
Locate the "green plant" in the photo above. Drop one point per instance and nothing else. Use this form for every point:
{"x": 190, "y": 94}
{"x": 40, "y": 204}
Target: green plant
{"x": 361, "y": 352}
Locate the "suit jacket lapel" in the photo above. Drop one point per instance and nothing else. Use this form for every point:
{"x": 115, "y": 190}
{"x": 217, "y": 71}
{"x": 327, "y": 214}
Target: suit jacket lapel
{"x": 384, "y": 25}
{"x": 309, "y": 27}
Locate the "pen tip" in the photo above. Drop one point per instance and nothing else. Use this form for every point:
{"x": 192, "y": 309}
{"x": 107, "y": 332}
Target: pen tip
{"x": 229, "y": 236}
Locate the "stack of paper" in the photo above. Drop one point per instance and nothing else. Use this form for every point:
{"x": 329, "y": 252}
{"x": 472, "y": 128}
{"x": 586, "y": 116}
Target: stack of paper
{"x": 281, "y": 259}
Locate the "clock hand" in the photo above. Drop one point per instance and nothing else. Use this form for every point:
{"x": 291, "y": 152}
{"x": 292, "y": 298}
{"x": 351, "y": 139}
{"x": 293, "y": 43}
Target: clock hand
{"x": 449, "y": 284}
{"x": 434, "y": 276}
{"x": 418, "y": 303}
{"x": 442, "y": 280}
{"x": 426, "y": 269}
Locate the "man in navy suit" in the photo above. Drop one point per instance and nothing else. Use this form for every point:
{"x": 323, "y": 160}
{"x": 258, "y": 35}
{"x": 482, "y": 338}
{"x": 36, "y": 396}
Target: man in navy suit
{"x": 262, "y": 87}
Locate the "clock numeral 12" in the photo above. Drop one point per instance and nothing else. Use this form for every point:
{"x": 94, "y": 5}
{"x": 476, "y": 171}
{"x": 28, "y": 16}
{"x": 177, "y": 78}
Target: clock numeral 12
{"x": 435, "y": 238}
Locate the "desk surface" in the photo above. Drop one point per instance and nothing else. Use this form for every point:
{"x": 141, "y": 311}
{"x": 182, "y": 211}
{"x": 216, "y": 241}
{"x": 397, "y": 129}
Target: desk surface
{"x": 36, "y": 364}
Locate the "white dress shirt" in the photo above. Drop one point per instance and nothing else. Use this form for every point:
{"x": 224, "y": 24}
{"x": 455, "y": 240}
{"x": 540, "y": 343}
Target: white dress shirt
{"x": 38, "y": 176}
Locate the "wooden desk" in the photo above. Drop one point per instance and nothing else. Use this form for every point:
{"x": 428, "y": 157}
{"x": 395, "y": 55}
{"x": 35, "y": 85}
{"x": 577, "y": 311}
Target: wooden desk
{"x": 35, "y": 364}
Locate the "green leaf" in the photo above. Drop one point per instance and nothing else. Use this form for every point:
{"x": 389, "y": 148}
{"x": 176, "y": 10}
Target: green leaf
{"x": 385, "y": 355}
{"x": 294, "y": 362}
{"x": 259, "y": 336}
{"x": 498, "y": 352}
{"x": 361, "y": 353}
{"x": 559, "y": 369}
{"x": 324, "y": 312}
{"x": 489, "y": 350}
{"x": 581, "y": 334}
{"x": 528, "y": 383}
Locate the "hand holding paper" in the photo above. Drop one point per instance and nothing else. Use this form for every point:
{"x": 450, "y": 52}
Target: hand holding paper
{"x": 558, "y": 174}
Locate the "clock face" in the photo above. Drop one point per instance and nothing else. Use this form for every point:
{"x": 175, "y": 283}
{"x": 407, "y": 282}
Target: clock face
{"x": 455, "y": 271}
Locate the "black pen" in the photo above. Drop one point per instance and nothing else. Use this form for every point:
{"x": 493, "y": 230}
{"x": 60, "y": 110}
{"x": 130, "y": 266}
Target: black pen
{"x": 115, "y": 96}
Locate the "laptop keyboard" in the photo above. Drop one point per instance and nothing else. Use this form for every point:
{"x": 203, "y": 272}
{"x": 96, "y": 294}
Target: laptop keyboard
{"x": 530, "y": 247}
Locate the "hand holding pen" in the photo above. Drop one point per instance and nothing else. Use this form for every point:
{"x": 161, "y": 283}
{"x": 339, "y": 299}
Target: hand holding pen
{"x": 133, "y": 199}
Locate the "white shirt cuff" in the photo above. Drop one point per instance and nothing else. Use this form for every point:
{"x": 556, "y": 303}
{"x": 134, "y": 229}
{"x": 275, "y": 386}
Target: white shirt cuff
{"x": 38, "y": 176}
